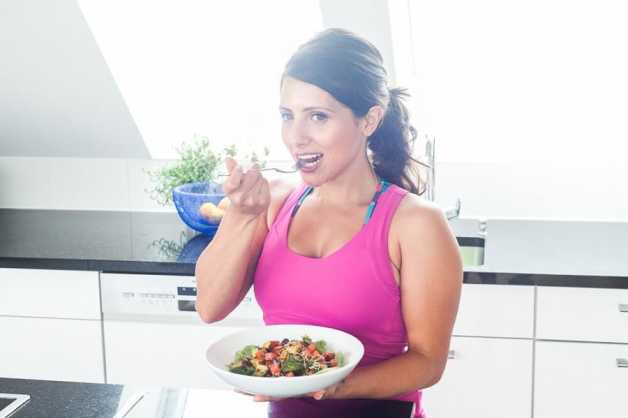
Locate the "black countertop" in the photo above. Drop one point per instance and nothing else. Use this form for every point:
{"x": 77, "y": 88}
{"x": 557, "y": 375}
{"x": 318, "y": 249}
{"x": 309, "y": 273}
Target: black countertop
{"x": 159, "y": 243}
{"x": 107, "y": 241}
{"x": 51, "y": 399}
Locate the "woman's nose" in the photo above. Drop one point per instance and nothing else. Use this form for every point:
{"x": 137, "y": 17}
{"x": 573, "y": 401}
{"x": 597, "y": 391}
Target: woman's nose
{"x": 297, "y": 135}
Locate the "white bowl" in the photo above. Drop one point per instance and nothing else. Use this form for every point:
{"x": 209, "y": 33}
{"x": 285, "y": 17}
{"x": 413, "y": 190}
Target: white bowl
{"x": 222, "y": 352}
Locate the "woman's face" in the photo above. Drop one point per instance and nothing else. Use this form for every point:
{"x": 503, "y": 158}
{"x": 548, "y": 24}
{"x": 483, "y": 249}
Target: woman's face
{"x": 321, "y": 133}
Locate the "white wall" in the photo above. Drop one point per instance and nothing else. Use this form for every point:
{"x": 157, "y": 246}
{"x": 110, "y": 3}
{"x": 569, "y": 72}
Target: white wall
{"x": 487, "y": 190}
{"x": 57, "y": 95}
{"x": 58, "y": 99}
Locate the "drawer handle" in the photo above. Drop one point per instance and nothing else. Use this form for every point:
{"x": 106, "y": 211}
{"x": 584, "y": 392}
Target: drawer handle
{"x": 623, "y": 307}
{"x": 622, "y": 362}
{"x": 452, "y": 355}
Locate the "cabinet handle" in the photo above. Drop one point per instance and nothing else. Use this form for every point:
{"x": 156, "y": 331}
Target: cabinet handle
{"x": 622, "y": 362}
{"x": 452, "y": 355}
{"x": 623, "y": 307}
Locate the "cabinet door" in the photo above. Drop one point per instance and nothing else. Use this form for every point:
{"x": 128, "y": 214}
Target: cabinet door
{"x": 49, "y": 293}
{"x": 484, "y": 378}
{"x": 581, "y": 314}
{"x": 580, "y": 380}
{"x": 52, "y": 349}
{"x": 495, "y": 311}
{"x": 163, "y": 354}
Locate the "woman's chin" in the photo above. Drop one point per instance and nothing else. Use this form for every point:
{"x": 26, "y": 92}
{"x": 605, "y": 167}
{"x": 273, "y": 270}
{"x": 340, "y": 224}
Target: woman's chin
{"x": 312, "y": 179}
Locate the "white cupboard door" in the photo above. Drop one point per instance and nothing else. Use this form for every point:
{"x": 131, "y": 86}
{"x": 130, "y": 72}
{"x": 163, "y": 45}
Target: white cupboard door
{"x": 484, "y": 378}
{"x": 49, "y": 293}
{"x": 495, "y": 311}
{"x": 580, "y": 380}
{"x": 581, "y": 314}
{"x": 51, "y": 349}
{"x": 164, "y": 354}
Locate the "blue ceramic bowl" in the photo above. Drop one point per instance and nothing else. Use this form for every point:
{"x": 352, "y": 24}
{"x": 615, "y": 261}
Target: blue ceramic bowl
{"x": 189, "y": 197}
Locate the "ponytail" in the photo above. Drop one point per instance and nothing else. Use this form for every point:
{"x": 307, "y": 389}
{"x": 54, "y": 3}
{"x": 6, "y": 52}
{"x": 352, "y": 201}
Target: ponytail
{"x": 391, "y": 146}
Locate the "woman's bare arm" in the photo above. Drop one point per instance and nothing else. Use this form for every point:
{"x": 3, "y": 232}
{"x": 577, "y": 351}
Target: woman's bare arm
{"x": 431, "y": 280}
{"x": 225, "y": 269}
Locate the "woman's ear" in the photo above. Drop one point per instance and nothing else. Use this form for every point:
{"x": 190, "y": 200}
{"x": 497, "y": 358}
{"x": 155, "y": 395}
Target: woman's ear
{"x": 372, "y": 120}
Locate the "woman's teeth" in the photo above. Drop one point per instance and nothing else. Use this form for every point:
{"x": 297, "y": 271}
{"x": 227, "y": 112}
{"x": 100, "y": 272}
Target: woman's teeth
{"x": 309, "y": 161}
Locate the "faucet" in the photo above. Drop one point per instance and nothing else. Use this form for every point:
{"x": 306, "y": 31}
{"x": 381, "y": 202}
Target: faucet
{"x": 430, "y": 153}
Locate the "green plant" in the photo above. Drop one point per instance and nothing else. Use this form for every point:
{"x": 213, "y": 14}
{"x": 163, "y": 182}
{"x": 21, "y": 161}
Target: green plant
{"x": 197, "y": 162}
{"x": 169, "y": 249}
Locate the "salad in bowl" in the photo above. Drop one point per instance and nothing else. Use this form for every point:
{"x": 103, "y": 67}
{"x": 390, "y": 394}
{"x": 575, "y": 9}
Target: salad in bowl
{"x": 284, "y": 360}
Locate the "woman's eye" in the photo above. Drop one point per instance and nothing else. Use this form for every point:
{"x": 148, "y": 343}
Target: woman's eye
{"x": 286, "y": 116}
{"x": 319, "y": 117}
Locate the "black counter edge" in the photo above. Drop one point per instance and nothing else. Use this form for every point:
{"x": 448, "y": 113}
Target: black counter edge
{"x": 103, "y": 266}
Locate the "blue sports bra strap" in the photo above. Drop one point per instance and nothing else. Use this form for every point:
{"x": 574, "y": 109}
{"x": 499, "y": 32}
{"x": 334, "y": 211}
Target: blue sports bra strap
{"x": 381, "y": 188}
{"x": 305, "y": 194}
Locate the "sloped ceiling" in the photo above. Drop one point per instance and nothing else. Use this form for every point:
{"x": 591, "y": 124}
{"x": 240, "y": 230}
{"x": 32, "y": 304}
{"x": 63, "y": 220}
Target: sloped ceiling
{"x": 57, "y": 95}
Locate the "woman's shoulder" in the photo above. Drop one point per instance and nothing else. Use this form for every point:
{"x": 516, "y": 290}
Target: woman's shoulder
{"x": 280, "y": 190}
{"x": 415, "y": 214}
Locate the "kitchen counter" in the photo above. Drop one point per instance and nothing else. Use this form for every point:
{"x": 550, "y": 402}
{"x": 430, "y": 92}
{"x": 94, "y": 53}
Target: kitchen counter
{"x": 159, "y": 243}
{"x": 106, "y": 241}
{"x": 52, "y": 399}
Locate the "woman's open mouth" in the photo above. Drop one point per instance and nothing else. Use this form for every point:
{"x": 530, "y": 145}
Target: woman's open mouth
{"x": 309, "y": 162}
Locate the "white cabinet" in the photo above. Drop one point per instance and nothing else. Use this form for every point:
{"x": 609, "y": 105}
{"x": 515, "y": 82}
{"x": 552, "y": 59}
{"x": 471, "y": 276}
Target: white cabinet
{"x": 151, "y": 336}
{"x": 486, "y": 378}
{"x": 581, "y": 314}
{"x": 580, "y": 380}
{"x": 49, "y": 293}
{"x": 495, "y": 311}
{"x": 489, "y": 373}
{"x": 577, "y": 374}
{"x": 50, "y": 324}
{"x": 164, "y": 354}
{"x": 52, "y": 349}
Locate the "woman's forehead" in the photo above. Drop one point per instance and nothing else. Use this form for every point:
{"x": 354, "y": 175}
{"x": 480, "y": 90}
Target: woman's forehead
{"x": 297, "y": 95}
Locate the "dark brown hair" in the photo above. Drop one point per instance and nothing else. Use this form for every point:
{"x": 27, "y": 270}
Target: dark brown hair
{"x": 351, "y": 69}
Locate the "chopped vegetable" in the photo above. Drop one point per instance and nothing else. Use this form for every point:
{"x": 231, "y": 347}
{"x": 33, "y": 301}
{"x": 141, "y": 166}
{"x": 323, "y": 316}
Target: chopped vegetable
{"x": 285, "y": 358}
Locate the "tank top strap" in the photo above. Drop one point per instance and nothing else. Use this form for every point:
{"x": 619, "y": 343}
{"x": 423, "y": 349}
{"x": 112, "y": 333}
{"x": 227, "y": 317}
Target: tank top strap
{"x": 379, "y": 224}
{"x": 283, "y": 216}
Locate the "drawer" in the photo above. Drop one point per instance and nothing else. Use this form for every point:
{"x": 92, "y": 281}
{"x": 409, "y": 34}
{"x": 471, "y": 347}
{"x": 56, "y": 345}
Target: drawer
{"x": 495, "y": 311}
{"x": 581, "y": 314}
{"x": 580, "y": 380}
{"x": 52, "y": 349}
{"x": 49, "y": 293}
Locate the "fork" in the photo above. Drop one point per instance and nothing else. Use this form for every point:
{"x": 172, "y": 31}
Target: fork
{"x": 293, "y": 169}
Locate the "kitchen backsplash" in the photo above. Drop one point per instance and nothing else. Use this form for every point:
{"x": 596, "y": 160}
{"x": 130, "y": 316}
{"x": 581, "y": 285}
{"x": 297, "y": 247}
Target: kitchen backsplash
{"x": 506, "y": 190}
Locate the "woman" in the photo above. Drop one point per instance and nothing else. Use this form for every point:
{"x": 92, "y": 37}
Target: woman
{"x": 354, "y": 247}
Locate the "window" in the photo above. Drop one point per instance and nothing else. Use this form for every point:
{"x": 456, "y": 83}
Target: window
{"x": 208, "y": 68}
{"x": 504, "y": 80}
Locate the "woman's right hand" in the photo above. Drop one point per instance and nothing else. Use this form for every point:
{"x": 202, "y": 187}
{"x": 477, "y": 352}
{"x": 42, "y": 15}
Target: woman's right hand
{"x": 249, "y": 193}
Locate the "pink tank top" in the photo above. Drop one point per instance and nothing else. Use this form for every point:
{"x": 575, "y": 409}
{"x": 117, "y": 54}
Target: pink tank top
{"x": 353, "y": 289}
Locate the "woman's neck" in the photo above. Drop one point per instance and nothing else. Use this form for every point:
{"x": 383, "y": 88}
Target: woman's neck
{"x": 355, "y": 186}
